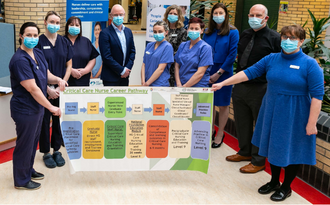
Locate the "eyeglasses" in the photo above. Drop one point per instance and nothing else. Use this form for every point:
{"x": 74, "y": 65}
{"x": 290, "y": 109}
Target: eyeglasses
{"x": 116, "y": 15}
{"x": 292, "y": 38}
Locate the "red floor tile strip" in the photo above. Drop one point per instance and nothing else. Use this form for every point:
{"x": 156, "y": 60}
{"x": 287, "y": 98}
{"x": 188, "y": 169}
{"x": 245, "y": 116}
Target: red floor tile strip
{"x": 303, "y": 189}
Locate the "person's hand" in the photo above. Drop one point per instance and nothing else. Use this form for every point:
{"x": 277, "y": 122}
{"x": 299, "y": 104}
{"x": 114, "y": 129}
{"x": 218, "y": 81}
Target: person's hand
{"x": 216, "y": 86}
{"x": 311, "y": 129}
{"x": 75, "y": 73}
{"x": 145, "y": 84}
{"x": 55, "y": 111}
{"x": 81, "y": 71}
{"x": 126, "y": 74}
{"x": 214, "y": 78}
{"x": 61, "y": 85}
{"x": 179, "y": 85}
{"x": 52, "y": 93}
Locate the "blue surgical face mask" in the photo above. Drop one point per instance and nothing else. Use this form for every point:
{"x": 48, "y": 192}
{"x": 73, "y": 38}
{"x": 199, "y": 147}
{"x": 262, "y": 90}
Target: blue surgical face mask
{"x": 53, "y": 28}
{"x": 172, "y": 18}
{"x": 219, "y": 19}
{"x": 159, "y": 36}
{"x": 30, "y": 42}
{"x": 118, "y": 20}
{"x": 73, "y": 30}
{"x": 255, "y": 23}
{"x": 289, "y": 46}
{"x": 193, "y": 35}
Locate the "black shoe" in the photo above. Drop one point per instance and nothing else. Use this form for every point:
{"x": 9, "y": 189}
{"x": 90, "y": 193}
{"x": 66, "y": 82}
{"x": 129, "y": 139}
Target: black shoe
{"x": 37, "y": 176}
{"x": 280, "y": 195}
{"x": 49, "y": 161}
{"x": 267, "y": 188}
{"x": 29, "y": 186}
{"x": 215, "y": 145}
{"x": 213, "y": 135}
{"x": 57, "y": 156}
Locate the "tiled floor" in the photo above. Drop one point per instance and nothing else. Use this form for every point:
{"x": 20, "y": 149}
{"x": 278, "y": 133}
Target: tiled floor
{"x": 224, "y": 184}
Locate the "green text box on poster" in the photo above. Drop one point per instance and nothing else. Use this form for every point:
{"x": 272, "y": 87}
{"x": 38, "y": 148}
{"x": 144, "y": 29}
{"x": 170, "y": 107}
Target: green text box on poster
{"x": 115, "y": 107}
{"x": 114, "y": 139}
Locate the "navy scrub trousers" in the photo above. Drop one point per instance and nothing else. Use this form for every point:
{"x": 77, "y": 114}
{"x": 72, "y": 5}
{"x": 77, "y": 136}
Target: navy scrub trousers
{"x": 28, "y": 129}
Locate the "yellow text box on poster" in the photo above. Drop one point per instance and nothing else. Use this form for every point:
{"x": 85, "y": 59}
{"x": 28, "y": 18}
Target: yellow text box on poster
{"x": 180, "y": 139}
{"x": 136, "y": 139}
{"x": 93, "y": 108}
{"x": 182, "y": 105}
{"x": 93, "y": 139}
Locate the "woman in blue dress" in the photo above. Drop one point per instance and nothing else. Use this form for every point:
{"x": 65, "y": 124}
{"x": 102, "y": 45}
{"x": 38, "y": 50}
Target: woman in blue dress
{"x": 223, "y": 38}
{"x": 193, "y": 58}
{"x": 96, "y": 71}
{"x": 29, "y": 77}
{"x": 58, "y": 53}
{"x": 157, "y": 58}
{"x": 286, "y": 126}
{"x": 84, "y": 53}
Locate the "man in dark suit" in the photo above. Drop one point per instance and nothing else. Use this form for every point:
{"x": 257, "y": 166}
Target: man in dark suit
{"x": 117, "y": 50}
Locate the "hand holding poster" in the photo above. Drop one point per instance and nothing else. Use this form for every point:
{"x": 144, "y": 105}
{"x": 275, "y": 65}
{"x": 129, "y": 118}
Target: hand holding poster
{"x": 143, "y": 128}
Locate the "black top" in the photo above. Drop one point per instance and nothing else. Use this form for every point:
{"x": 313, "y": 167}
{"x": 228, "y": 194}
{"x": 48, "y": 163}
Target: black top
{"x": 176, "y": 37}
{"x": 266, "y": 41}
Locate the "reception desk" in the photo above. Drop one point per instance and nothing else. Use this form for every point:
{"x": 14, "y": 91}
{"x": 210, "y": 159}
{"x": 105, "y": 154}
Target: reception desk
{"x": 7, "y": 125}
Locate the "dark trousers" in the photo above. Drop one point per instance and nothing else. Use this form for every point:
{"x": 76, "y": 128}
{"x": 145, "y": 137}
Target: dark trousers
{"x": 56, "y": 140}
{"x": 247, "y": 99}
{"x": 122, "y": 82}
{"x": 28, "y": 132}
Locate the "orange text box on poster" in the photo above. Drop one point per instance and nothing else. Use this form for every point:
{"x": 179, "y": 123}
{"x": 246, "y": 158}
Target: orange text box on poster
{"x": 157, "y": 138}
{"x": 93, "y": 139}
{"x": 159, "y": 109}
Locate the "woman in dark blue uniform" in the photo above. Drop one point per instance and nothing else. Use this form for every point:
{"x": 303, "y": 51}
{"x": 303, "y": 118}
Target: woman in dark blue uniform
{"x": 58, "y": 53}
{"x": 84, "y": 53}
{"x": 29, "y": 77}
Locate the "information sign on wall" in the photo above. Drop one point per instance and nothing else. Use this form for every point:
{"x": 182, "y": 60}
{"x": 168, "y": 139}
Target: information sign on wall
{"x": 91, "y": 10}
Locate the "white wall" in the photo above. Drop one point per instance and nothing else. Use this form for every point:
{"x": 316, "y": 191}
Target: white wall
{"x": 140, "y": 45}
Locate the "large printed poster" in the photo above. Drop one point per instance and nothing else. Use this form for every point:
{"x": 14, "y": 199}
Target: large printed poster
{"x": 156, "y": 10}
{"x": 137, "y": 128}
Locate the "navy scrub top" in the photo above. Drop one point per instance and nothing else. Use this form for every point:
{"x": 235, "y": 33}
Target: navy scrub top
{"x": 83, "y": 52}
{"x": 57, "y": 56}
{"x": 23, "y": 67}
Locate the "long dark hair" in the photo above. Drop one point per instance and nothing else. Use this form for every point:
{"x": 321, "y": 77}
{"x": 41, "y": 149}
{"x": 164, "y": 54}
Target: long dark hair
{"x": 72, "y": 18}
{"x": 225, "y": 26}
{"x": 24, "y": 26}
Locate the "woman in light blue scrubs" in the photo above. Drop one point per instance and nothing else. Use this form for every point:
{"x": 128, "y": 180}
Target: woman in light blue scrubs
{"x": 193, "y": 58}
{"x": 157, "y": 58}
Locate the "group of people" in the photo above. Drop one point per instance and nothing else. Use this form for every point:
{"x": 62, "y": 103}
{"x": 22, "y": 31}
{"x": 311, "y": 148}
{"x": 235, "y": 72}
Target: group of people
{"x": 273, "y": 76}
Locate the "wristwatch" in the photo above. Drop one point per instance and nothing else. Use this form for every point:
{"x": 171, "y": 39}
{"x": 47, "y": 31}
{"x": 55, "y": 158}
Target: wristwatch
{"x": 219, "y": 73}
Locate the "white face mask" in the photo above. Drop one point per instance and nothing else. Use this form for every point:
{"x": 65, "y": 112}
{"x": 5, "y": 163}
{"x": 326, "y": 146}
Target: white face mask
{"x": 255, "y": 23}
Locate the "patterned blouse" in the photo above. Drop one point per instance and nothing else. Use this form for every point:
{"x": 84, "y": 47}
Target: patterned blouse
{"x": 176, "y": 37}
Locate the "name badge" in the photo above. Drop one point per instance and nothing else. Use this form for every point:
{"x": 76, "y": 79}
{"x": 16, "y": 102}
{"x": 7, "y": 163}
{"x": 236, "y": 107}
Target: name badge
{"x": 294, "y": 67}
{"x": 37, "y": 67}
{"x": 174, "y": 35}
{"x": 147, "y": 52}
{"x": 46, "y": 47}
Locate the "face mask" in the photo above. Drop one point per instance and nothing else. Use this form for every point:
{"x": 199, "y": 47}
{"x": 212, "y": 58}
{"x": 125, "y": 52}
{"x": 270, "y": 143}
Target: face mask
{"x": 159, "y": 36}
{"x": 193, "y": 35}
{"x": 30, "y": 42}
{"x": 219, "y": 19}
{"x": 118, "y": 20}
{"x": 172, "y": 18}
{"x": 255, "y": 23}
{"x": 73, "y": 31}
{"x": 53, "y": 28}
{"x": 289, "y": 46}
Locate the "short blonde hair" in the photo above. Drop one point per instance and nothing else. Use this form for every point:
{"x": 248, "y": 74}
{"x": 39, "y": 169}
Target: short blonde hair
{"x": 179, "y": 23}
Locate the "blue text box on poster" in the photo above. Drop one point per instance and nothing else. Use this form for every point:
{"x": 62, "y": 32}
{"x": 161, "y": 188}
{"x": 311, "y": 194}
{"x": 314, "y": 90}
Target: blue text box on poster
{"x": 90, "y": 10}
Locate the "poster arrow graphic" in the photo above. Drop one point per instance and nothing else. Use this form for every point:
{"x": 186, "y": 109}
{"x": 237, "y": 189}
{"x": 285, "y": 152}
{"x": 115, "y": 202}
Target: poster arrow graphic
{"x": 102, "y": 109}
{"x": 129, "y": 109}
{"x": 83, "y": 110}
{"x": 167, "y": 110}
{"x": 148, "y": 109}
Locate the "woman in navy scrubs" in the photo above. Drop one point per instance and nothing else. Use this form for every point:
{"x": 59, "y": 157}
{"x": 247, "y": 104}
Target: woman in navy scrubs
{"x": 84, "y": 53}
{"x": 58, "y": 53}
{"x": 223, "y": 38}
{"x": 157, "y": 59}
{"x": 193, "y": 58}
{"x": 29, "y": 77}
